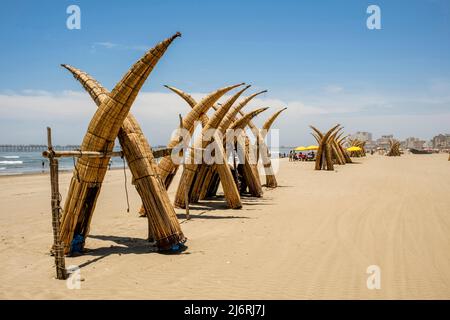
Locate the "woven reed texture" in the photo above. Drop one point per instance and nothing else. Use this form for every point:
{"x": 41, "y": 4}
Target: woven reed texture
{"x": 190, "y": 174}
{"x": 324, "y": 157}
{"x": 224, "y": 124}
{"x": 394, "y": 148}
{"x": 166, "y": 167}
{"x": 250, "y": 170}
{"x": 102, "y": 131}
{"x": 266, "y": 126}
{"x": 204, "y": 173}
{"x": 340, "y": 143}
{"x": 164, "y": 227}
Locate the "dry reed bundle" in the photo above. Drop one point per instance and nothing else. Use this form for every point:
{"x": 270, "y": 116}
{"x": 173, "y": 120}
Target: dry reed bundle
{"x": 249, "y": 174}
{"x": 340, "y": 142}
{"x": 357, "y": 143}
{"x": 271, "y": 181}
{"x": 225, "y": 123}
{"x": 167, "y": 168}
{"x": 266, "y": 126}
{"x": 324, "y": 158}
{"x": 204, "y": 170}
{"x": 163, "y": 225}
{"x": 191, "y": 172}
{"x": 394, "y": 148}
{"x": 209, "y": 184}
{"x": 102, "y": 131}
{"x": 337, "y": 155}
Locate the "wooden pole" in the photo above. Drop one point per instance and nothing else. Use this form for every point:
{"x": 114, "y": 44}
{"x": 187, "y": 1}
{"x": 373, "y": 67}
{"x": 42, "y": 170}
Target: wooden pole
{"x": 58, "y": 248}
{"x": 186, "y": 188}
{"x": 95, "y": 154}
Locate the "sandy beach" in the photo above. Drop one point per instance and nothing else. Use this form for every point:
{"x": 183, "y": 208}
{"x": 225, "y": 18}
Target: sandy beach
{"x": 311, "y": 238}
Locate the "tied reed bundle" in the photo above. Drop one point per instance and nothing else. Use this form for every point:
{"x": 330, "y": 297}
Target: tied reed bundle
{"x": 394, "y": 148}
{"x": 204, "y": 171}
{"x": 357, "y": 143}
{"x": 102, "y": 131}
{"x": 325, "y": 153}
{"x": 163, "y": 226}
{"x": 190, "y": 174}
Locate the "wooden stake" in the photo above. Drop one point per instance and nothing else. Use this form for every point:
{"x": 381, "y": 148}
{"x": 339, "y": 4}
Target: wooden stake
{"x": 58, "y": 249}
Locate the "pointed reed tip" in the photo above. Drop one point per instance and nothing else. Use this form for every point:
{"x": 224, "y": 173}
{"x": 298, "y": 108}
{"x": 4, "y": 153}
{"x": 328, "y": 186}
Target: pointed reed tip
{"x": 173, "y": 37}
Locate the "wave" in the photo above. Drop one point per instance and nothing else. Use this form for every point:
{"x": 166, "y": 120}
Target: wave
{"x": 11, "y": 157}
{"x": 2, "y": 168}
{"x": 11, "y": 162}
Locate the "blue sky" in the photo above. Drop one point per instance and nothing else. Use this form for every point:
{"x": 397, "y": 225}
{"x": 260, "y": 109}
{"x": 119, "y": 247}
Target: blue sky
{"x": 316, "y": 57}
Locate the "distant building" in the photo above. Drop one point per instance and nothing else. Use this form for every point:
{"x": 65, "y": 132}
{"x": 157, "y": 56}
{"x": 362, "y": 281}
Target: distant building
{"x": 364, "y": 136}
{"x": 413, "y": 143}
{"x": 383, "y": 142}
{"x": 441, "y": 141}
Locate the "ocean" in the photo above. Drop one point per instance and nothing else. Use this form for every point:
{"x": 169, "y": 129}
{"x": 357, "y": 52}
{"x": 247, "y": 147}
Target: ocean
{"x": 16, "y": 163}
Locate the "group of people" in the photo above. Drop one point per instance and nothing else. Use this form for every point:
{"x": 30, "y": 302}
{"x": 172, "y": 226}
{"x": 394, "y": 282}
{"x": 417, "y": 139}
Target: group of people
{"x": 300, "y": 156}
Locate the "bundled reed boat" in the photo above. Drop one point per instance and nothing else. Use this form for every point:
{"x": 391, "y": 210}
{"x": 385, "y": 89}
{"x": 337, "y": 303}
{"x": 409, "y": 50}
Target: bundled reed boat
{"x": 110, "y": 121}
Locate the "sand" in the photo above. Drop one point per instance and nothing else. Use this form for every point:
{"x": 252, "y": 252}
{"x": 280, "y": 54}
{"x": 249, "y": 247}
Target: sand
{"x": 311, "y": 238}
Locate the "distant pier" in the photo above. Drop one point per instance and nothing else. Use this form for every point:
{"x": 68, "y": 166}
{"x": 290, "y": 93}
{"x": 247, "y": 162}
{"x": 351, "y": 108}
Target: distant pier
{"x": 34, "y": 147}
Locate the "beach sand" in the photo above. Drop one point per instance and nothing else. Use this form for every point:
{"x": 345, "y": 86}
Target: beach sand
{"x": 312, "y": 238}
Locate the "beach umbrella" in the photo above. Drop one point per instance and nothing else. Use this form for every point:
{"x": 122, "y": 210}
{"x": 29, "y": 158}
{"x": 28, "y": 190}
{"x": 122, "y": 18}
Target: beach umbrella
{"x": 300, "y": 148}
{"x": 351, "y": 149}
{"x": 312, "y": 147}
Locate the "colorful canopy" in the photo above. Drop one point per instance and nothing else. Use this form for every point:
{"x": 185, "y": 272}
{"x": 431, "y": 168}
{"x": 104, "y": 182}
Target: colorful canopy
{"x": 300, "y": 148}
{"x": 312, "y": 147}
{"x": 354, "y": 148}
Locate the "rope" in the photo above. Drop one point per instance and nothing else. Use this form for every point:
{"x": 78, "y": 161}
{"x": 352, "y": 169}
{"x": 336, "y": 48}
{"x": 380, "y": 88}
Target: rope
{"x": 76, "y": 169}
{"x": 125, "y": 179}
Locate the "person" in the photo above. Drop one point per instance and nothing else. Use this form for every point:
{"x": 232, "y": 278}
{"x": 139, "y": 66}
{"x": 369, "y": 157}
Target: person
{"x": 109, "y": 164}
{"x": 43, "y": 165}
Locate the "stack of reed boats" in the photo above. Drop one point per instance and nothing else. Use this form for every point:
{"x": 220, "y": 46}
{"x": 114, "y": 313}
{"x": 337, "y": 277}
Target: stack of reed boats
{"x": 113, "y": 119}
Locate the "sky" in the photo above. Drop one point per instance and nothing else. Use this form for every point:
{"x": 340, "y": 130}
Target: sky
{"x": 318, "y": 58}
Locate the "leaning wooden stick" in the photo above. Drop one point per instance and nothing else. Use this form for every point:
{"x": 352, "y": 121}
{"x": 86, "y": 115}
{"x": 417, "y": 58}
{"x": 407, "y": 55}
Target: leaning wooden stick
{"x": 58, "y": 247}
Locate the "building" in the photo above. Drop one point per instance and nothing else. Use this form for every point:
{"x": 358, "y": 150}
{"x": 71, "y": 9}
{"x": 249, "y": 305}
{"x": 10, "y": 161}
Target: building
{"x": 441, "y": 141}
{"x": 413, "y": 143}
{"x": 364, "y": 136}
{"x": 383, "y": 142}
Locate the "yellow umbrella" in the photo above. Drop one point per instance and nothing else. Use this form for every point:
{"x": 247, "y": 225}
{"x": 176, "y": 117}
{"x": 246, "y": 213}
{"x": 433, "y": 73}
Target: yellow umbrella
{"x": 301, "y": 148}
{"x": 354, "y": 148}
{"x": 312, "y": 147}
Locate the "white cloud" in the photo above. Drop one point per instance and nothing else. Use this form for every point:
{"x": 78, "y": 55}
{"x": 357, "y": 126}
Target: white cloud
{"x": 25, "y": 114}
{"x": 107, "y": 45}
{"x": 333, "y": 89}
{"x": 112, "y": 45}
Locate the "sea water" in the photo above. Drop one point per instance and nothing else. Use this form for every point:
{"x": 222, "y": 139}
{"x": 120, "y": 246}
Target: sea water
{"x": 12, "y": 163}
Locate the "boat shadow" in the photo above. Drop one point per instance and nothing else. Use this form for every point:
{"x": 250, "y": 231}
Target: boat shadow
{"x": 125, "y": 245}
